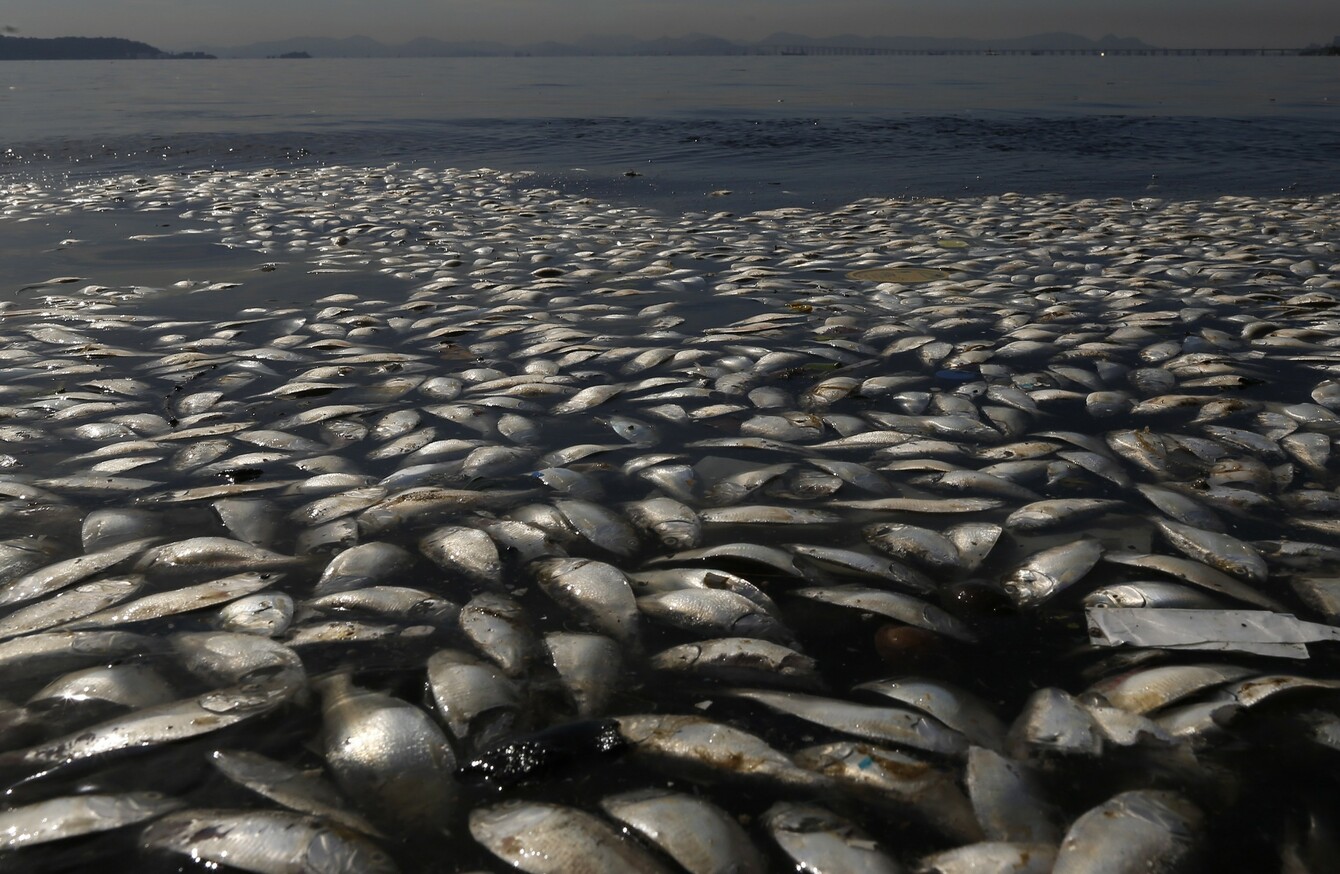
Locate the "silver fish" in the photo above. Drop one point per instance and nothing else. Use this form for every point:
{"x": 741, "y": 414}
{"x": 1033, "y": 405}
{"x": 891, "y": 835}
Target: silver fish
{"x": 542, "y": 838}
{"x": 1008, "y": 800}
{"x": 71, "y": 816}
{"x": 1138, "y": 830}
{"x": 211, "y": 555}
{"x": 285, "y": 785}
{"x": 674, "y": 524}
{"x": 597, "y": 592}
{"x": 697, "y": 834}
{"x": 1044, "y": 574}
{"x": 821, "y": 841}
{"x": 589, "y": 667}
{"x": 267, "y": 841}
{"x": 699, "y": 749}
{"x": 57, "y": 576}
{"x": 714, "y": 613}
{"x": 955, "y": 707}
{"x": 179, "y": 600}
{"x": 497, "y": 626}
{"x": 740, "y": 660}
{"x": 895, "y": 605}
{"x": 151, "y": 726}
{"x": 132, "y": 686}
{"x": 990, "y": 857}
{"x": 468, "y": 552}
{"x": 894, "y": 781}
{"x": 386, "y": 754}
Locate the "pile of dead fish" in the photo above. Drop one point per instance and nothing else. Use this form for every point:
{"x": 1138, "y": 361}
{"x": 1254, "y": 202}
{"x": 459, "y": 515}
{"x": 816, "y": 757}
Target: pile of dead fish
{"x": 625, "y": 542}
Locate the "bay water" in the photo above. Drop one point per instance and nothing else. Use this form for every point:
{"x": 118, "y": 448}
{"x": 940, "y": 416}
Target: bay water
{"x": 674, "y": 136}
{"x": 809, "y": 131}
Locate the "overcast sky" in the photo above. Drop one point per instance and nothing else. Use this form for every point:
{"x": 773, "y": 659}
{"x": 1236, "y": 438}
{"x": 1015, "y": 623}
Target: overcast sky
{"x": 176, "y": 25}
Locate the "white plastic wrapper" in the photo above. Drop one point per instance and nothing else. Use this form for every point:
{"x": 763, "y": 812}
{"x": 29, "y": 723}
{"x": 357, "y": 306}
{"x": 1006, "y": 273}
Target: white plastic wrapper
{"x": 1255, "y": 631}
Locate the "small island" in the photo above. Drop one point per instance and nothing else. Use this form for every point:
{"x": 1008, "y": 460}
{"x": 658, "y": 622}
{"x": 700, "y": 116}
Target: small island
{"x": 85, "y": 48}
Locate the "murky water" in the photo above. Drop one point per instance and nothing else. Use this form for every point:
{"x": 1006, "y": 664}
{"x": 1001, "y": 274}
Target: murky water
{"x": 241, "y": 300}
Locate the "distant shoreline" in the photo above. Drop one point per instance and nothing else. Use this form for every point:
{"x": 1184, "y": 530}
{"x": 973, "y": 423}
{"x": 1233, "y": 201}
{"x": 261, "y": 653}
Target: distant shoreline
{"x": 86, "y": 48}
{"x": 782, "y": 45}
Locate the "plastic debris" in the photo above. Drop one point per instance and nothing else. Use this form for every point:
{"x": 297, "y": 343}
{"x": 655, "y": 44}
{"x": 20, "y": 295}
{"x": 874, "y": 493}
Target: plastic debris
{"x": 1254, "y": 631}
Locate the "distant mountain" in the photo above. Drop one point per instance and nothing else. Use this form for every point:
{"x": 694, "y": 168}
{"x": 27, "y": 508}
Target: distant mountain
{"x": 360, "y": 47}
{"x": 80, "y": 48}
{"x": 690, "y": 44}
{"x": 1042, "y": 41}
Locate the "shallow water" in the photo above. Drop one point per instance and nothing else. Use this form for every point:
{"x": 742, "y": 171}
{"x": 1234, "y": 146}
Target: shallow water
{"x": 774, "y": 131}
{"x": 1021, "y": 650}
{"x": 331, "y": 254}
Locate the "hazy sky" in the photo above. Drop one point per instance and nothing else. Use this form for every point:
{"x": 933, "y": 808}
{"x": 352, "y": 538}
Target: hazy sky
{"x": 178, "y": 24}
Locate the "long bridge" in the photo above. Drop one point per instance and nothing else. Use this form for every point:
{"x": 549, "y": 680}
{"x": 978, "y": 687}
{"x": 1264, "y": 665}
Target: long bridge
{"x": 1144, "y": 52}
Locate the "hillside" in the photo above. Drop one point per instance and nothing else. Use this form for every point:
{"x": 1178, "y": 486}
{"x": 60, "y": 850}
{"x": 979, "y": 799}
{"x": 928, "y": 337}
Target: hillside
{"x": 81, "y": 48}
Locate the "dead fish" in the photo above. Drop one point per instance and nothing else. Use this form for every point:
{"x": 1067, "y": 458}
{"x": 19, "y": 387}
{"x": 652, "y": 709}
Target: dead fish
{"x": 270, "y": 841}
{"x": 930, "y": 549}
{"x": 367, "y": 564}
{"x": 1044, "y": 574}
{"x": 55, "y": 577}
{"x": 892, "y": 724}
{"x": 1052, "y": 722}
{"x": 740, "y": 660}
{"x": 1218, "y": 550}
{"x": 387, "y": 754}
{"x": 1151, "y": 689}
{"x": 1196, "y": 574}
{"x": 895, "y": 605}
{"x": 590, "y": 668}
{"x": 816, "y": 559}
{"x": 543, "y": 838}
{"x": 497, "y": 625}
{"x": 674, "y": 524}
{"x": 57, "y": 819}
{"x": 130, "y": 686}
{"x": 290, "y": 787}
{"x": 601, "y": 526}
{"x": 1137, "y": 830}
{"x": 991, "y": 856}
{"x": 596, "y": 592}
{"x": 467, "y": 552}
{"x": 955, "y": 707}
{"x": 897, "y": 782}
{"x": 179, "y": 600}
{"x": 1008, "y": 800}
{"x": 31, "y": 660}
{"x": 71, "y": 604}
{"x": 1151, "y": 593}
{"x": 694, "y": 832}
{"x": 1048, "y": 514}
{"x": 714, "y": 613}
{"x": 264, "y": 613}
{"x": 477, "y": 701}
{"x": 391, "y": 602}
{"x": 699, "y": 749}
{"x": 818, "y": 840}
{"x": 211, "y": 555}
{"x": 150, "y": 726}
